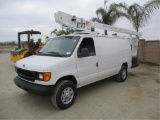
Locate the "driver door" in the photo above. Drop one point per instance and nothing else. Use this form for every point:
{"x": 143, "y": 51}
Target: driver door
{"x": 87, "y": 66}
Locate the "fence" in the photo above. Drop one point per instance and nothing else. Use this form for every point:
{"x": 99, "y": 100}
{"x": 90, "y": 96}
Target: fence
{"x": 149, "y": 51}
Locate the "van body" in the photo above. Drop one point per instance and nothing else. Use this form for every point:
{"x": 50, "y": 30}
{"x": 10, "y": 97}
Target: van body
{"x": 75, "y": 60}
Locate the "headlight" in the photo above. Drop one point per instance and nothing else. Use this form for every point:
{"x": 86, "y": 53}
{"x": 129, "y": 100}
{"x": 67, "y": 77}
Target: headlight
{"x": 46, "y": 76}
{"x": 41, "y": 76}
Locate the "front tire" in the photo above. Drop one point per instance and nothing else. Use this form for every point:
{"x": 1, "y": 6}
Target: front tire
{"x": 64, "y": 94}
{"x": 122, "y": 75}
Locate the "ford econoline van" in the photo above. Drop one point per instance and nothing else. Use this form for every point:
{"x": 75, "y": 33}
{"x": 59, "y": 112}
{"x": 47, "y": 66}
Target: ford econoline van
{"x": 66, "y": 63}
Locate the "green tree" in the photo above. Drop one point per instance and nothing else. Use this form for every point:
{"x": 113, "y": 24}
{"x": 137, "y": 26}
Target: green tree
{"x": 109, "y": 15}
{"x": 62, "y": 32}
{"x": 139, "y": 15}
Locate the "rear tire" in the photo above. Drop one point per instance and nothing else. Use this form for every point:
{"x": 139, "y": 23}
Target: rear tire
{"x": 122, "y": 75}
{"x": 64, "y": 94}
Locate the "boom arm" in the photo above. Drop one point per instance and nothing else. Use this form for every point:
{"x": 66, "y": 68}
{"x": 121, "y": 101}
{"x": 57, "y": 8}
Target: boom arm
{"x": 80, "y": 24}
{"x": 115, "y": 29}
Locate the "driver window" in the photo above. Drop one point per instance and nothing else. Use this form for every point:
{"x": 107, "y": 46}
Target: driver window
{"x": 89, "y": 44}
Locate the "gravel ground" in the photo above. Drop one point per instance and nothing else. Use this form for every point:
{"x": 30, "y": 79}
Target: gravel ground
{"x": 137, "y": 98}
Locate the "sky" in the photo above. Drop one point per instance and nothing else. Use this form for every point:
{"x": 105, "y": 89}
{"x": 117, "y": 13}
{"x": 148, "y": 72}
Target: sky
{"x": 21, "y": 15}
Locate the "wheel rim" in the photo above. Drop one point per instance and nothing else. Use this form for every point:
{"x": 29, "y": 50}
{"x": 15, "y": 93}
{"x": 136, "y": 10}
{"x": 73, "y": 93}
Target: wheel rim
{"x": 67, "y": 95}
{"x": 124, "y": 74}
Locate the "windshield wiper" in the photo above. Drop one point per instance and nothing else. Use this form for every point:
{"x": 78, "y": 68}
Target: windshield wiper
{"x": 57, "y": 54}
{"x": 53, "y": 52}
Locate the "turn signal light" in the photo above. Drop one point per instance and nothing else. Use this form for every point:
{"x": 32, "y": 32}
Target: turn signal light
{"x": 46, "y": 76}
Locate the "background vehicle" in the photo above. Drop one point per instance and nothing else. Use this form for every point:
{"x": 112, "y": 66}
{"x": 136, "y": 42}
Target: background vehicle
{"x": 66, "y": 63}
{"x": 23, "y": 47}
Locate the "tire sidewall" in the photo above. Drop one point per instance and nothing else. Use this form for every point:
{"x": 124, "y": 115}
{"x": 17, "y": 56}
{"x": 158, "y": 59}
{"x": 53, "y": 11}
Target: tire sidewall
{"x": 122, "y": 69}
{"x": 59, "y": 102}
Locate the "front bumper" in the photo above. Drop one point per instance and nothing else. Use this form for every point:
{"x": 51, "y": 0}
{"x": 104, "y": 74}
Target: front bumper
{"x": 34, "y": 88}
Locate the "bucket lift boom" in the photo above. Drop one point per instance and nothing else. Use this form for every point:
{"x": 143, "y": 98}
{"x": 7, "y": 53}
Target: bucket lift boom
{"x": 80, "y": 24}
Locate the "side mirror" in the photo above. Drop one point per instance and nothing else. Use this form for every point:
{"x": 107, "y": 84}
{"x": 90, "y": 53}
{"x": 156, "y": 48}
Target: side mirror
{"x": 84, "y": 53}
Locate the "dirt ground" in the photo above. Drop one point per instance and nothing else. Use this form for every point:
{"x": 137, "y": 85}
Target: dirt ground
{"x": 137, "y": 98}
{"x": 7, "y": 47}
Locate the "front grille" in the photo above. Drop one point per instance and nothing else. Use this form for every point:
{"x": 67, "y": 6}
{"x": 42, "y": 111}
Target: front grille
{"x": 26, "y": 74}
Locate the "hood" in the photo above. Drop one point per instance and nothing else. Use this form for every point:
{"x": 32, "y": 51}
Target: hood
{"x": 44, "y": 63}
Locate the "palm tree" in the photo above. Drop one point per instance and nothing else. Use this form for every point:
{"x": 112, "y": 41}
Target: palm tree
{"x": 62, "y": 32}
{"x": 139, "y": 15}
{"x": 69, "y": 31}
{"x": 109, "y": 15}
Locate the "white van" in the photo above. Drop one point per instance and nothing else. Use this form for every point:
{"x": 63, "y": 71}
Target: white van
{"x": 66, "y": 63}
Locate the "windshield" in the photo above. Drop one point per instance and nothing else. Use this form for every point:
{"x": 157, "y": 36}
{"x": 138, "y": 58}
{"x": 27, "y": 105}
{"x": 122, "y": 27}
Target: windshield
{"x": 60, "y": 46}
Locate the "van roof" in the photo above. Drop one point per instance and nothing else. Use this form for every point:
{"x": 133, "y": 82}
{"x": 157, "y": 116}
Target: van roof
{"x": 92, "y": 35}
{"x": 82, "y": 35}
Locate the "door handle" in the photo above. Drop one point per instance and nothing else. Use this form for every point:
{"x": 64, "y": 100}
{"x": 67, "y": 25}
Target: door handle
{"x": 96, "y": 64}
